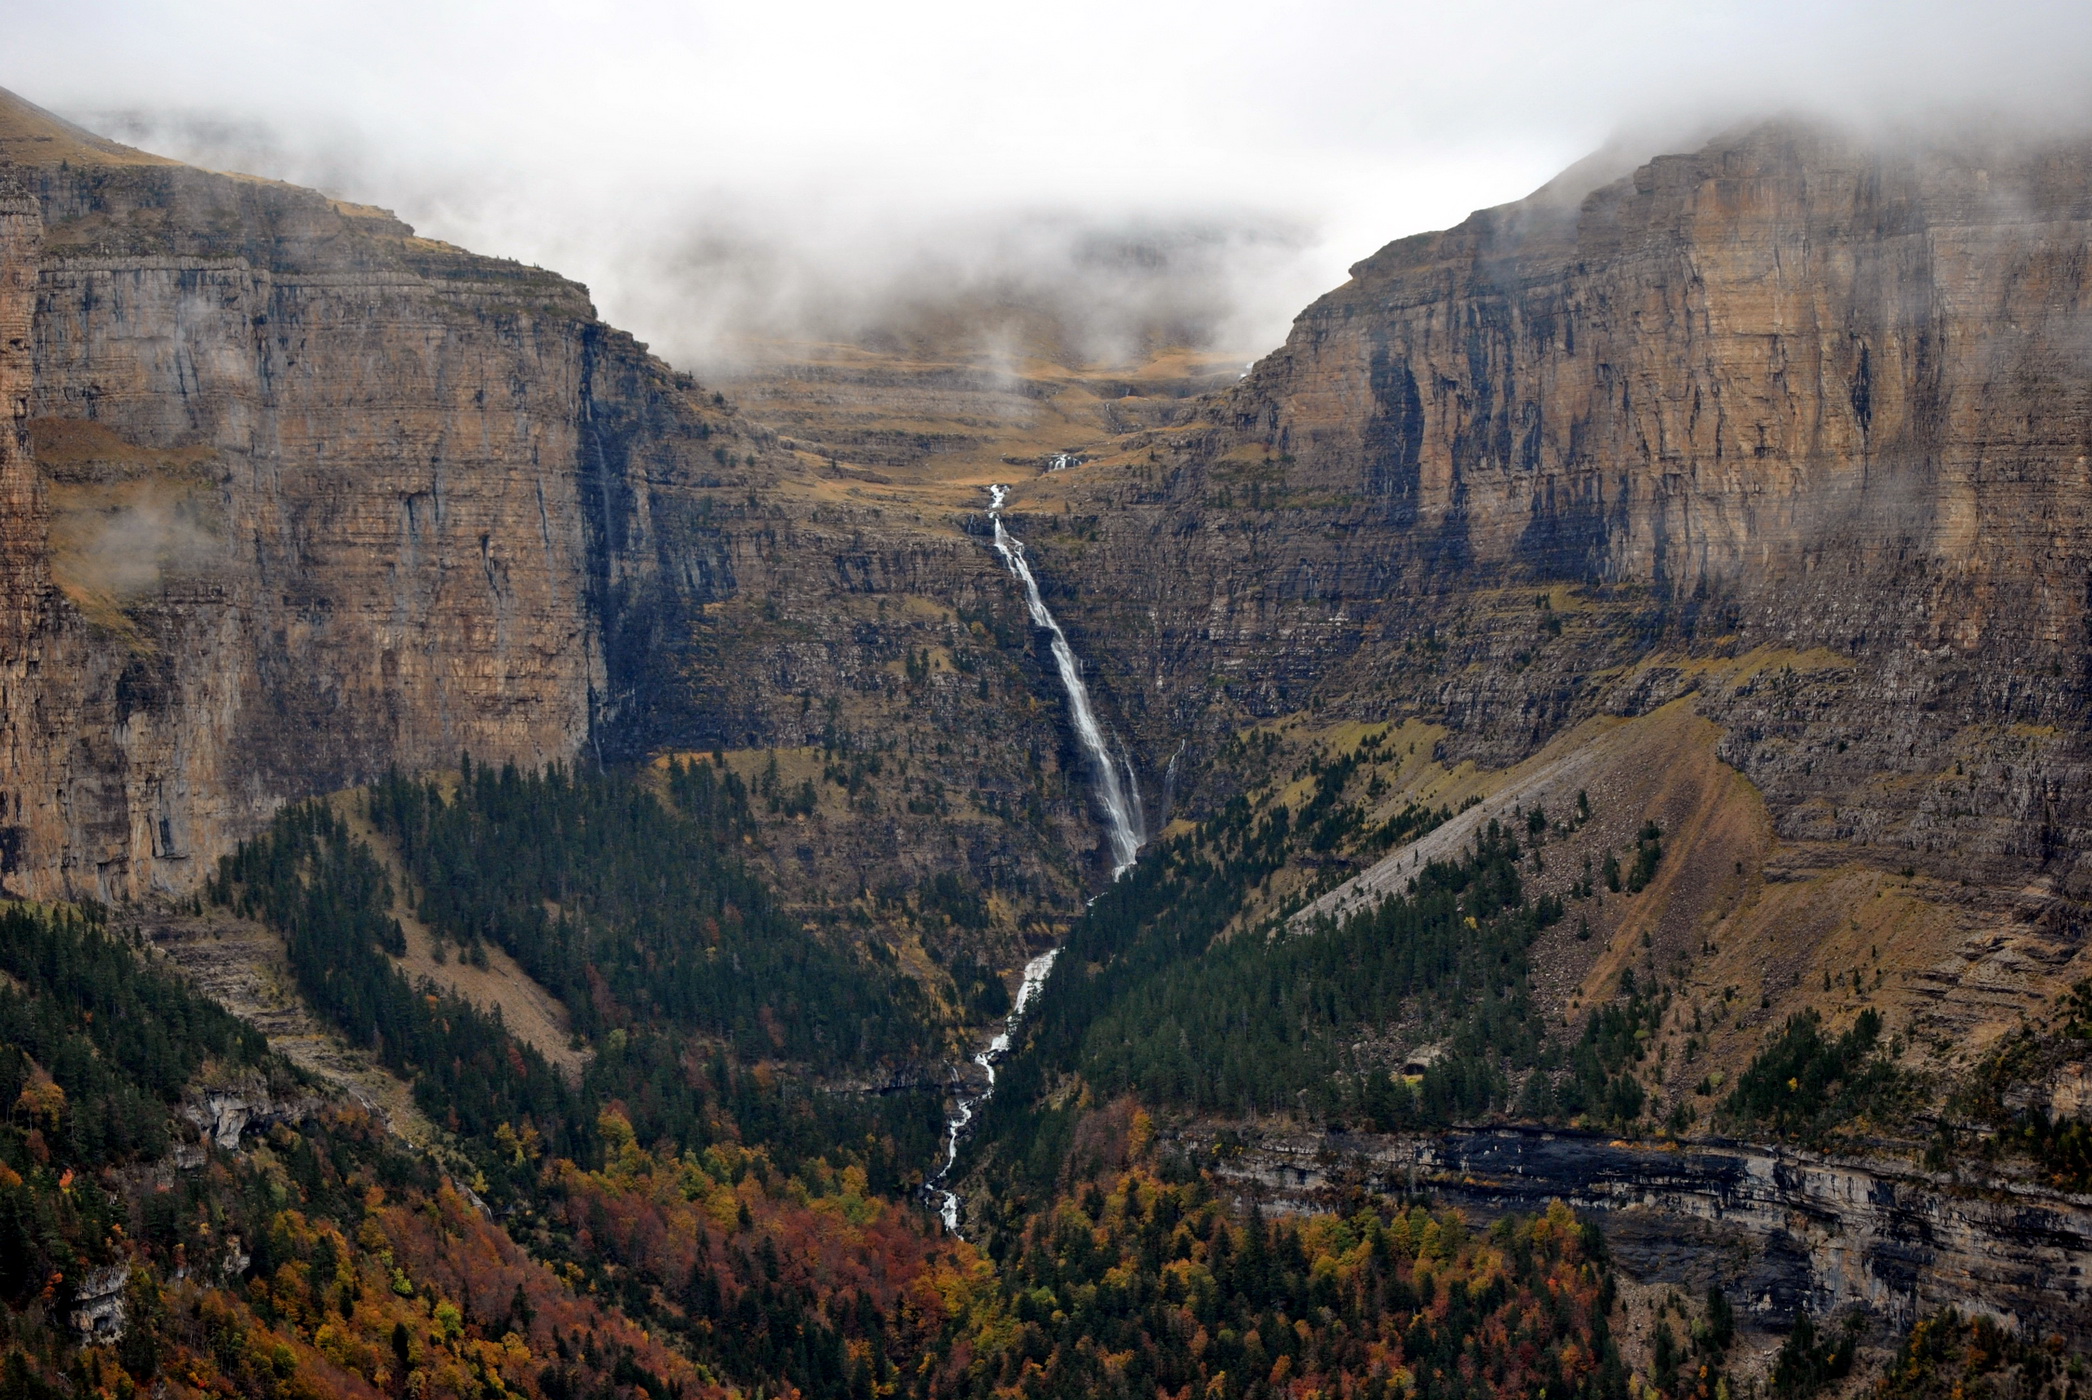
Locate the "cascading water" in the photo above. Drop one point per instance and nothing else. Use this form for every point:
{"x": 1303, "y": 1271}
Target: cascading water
{"x": 1118, "y": 793}
{"x": 1034, "y": 978}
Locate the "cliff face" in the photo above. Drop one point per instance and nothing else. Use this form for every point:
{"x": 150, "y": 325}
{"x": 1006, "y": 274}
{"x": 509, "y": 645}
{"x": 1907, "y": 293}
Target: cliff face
{"x": 1808, "y": 395}
{"x": 1786, "y": 393}
{"x": 23, "y": 529}
{"x": 1783, "y": 1233}
{"x": 295, "y": 495}
{"x": 307, "y": 504}
{"x": 1792, "y": 432}
{"x": 290, "y": 495}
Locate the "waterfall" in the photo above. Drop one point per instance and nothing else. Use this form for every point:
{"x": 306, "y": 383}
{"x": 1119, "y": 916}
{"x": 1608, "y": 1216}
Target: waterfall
{"x": 1118, "y": 793}
{"x": 1034, "y": 978}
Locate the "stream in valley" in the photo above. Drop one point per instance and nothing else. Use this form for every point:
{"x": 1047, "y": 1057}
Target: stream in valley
{"x": 1117, "y": 791}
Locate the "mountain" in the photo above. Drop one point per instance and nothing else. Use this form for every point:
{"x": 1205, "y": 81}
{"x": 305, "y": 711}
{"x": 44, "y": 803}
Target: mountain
{"x": 1604, "y": 705}
{"x": 297, "y": 496}
{"x": 1787, "y": 431}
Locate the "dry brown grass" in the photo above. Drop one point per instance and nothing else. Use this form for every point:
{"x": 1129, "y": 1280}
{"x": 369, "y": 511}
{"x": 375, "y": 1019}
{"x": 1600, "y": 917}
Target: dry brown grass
{"x": 940, "y": 422}
{"x": 1742, "y": 926}
{"x": 29, "y": 135}
{"x": 532, "y": 1014}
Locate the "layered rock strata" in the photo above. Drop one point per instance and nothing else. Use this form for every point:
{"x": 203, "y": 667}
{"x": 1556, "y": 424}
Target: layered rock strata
{"x": 290, "y": 496}
{"x": 1783, "y": 1233}
{"x": 294, "y": 495}
{"x": 1794, "y": 395}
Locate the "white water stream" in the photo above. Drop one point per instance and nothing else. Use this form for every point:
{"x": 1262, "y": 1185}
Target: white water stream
{"x": 1118, "y": 793}
{"x": 1034, "y": 978}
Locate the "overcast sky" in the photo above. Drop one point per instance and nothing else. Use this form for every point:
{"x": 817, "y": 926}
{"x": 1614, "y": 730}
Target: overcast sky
{"x": 708, "y": 165}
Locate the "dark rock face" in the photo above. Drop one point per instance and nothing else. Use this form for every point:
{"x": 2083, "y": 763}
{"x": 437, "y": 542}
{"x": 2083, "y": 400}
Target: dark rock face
{"x": 1781, "y": 1232}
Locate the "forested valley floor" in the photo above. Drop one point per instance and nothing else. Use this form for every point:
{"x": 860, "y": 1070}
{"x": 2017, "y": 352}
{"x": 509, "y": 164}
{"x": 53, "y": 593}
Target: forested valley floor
{"x": 716, "y": 1203}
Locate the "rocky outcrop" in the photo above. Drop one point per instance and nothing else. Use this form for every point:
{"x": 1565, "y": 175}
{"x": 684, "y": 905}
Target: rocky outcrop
{"x": 1782, "y": 1232}
{"x": 223, "y": 1113}
{"x": 99, "y": 1313}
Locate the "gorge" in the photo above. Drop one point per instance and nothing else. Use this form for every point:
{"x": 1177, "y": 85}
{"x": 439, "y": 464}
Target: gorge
{"x": 1118, "y": 796}
{"x": 1598, "y": 717}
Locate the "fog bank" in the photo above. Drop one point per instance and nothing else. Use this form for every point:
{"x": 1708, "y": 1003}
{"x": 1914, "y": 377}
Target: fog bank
{"x": 722, "y": 173}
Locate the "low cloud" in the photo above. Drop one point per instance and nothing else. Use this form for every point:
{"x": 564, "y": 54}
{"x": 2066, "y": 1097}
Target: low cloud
{"x": 126, "y": 550}
{"x": 725, "y": 173}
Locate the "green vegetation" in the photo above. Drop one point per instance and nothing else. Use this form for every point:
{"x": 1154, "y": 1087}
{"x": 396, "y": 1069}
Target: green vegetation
{"x": 691, "y": 1221}
{"x": 1162, "y": 913}
{"x": 1163, "y": 994}
{"x": 97, "y": 1047}
{"x": 1805, "y": 1083}
{"x": 308, "y": 877}
{"x": 2018, "y": 1069}
{"x": 1648, "y": 851}
{"x": 1809, "y": 1360}
{"x": 980, "y": 989}
{"x": 327, "y": 1258}
{"x": 1950, "y": 1357}
{"x": 635, "y": 914}
{"x": 1692, "y": 1366}
{"x": 1601, "y": 1082}
{"x": 322, "y": 1259}
{"x": 661, "y": 943}
{"x": 1260, "y": 1019}
{"x": 948, "y": 900}
{"x": 699, "y": 1179}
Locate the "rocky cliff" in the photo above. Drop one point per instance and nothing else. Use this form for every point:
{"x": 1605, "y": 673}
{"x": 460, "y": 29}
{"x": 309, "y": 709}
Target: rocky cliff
{"x": 1792, "y": 428}
{"x": 306, "y": 502}
{"x": 1796, "y": 425}
{"x": 1806, "y": 394}
{"x": 1783, "y": 1232}
{"x": 290, "y": 495}
{"x": 1747, "y": 494}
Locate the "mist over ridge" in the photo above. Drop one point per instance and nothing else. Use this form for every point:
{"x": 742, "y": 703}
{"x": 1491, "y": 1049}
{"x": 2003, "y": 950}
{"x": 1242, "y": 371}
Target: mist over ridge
{"x": 808, "y": 172}
{"x": 1038, "y": 750}
{"x": 714, "y": 281}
